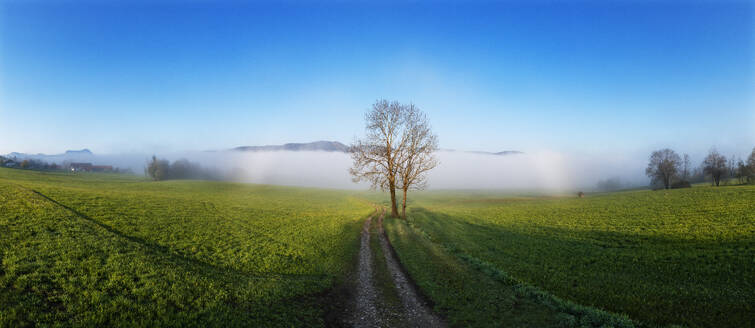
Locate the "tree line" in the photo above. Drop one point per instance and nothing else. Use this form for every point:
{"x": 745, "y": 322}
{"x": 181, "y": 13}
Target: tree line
{"x": 396, "y": 152}
{"x": 669, "y": 170}
{"x": 29, "y": 164}
{"x": 161, "y": 169}
{"x": 40, "y": 165}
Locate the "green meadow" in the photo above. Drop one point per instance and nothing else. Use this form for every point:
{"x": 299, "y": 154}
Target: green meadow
{"x": 663, "y": 257}
{"x": 118, "y": 250}
{"x": 113, "y": 250}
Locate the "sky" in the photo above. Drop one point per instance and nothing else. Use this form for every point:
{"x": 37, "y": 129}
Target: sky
{"x": 583, "y": 77}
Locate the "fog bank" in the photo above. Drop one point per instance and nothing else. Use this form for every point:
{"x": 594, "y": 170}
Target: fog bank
{"x": 542, "y": 170}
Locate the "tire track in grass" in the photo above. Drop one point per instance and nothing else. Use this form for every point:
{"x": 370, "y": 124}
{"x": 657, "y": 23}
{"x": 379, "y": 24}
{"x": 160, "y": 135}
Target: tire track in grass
{"x": 366, "y": 314}
{"x": 168, "y": 253}
{"x": 372, "y": 308}
{"x": 416, "y": 310}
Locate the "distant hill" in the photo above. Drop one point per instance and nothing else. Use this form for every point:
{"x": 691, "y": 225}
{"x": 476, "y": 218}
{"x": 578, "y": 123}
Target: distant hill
{"x": 500, "y": 153}
{"x": 79, "y": 152}
{"x": 326, "y": 146}
{"x": 331, "y": 146}
{"x": 335, "y": 146}
{"x": 508, "y": 152}
{"x": 68, "y": 154}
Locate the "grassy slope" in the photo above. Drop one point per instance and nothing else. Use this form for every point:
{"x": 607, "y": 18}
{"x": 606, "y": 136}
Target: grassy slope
{"x": 466, "y": 297}
{"x": 105, "y": 249}
{"x": 663, "y": 257}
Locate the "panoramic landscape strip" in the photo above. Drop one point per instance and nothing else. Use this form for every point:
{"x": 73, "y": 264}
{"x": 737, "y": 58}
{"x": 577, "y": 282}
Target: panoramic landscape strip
{"x": 377, "y": 164}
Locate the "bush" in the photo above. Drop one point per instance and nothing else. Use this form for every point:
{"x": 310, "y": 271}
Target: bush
{"x": 160, "y": 169}
{"x": 157, "y": 169}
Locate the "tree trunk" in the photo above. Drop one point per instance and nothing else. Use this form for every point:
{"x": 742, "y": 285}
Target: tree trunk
{"x": 394, "y": 209}
{"x": 666, "y": 181}
{"x": 403, "y": 206}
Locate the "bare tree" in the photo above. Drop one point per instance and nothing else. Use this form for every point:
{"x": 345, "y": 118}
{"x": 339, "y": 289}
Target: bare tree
{"x": 376, "y": 157}
{"x": 743, "y": 173}
{"x": 715, "y": 166}
{"x": 732, "y": 167}
{"x": 746, "y": 169}
{"x": 663, "y": 166}
{"x": 686, "y": 164}
{"x": 417, "y": 158}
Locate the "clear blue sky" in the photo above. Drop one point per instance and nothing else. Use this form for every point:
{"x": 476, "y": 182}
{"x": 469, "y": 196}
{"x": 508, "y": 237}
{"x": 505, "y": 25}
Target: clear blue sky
{"x": 584, "y": 76}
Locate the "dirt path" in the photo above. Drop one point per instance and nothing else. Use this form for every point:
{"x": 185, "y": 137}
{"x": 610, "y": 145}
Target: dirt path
{"x": 371, "y": 309}
{"x": 366, "y": 314}
{"x": 417, "y": 312}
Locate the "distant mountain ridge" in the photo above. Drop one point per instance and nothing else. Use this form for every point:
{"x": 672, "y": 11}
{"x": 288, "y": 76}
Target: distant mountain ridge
{"x": 500, "y": 153}
{"x": 335, "y": 146}
{"x": 330, "y": 146}
{"x": 79, "y": 152}
{"x": 326, "y": 146}
{"x": 69, "y": 153}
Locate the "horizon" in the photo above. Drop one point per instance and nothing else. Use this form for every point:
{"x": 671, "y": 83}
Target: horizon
{"x": 575, "y": 78}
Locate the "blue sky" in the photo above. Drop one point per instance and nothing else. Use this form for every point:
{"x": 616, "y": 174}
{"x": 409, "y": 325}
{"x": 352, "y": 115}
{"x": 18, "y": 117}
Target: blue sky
{"x": 586, "y": 77}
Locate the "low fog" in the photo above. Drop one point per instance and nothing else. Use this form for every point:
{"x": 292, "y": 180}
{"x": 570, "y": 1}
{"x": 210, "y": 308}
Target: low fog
{"x": 543, "y": 170}
{"x": 457, "y": 170}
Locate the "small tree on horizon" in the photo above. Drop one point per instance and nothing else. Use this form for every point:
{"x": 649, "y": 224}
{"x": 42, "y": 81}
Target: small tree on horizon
{"x": 157, "y": 169}
{"x": 715, "y": 165}
{"x": 743, "y": 172}
{"x": 663, "y": 167}
{"x": 746, "y": 169}
{"x": 731, "y": 168}
{"x": 686, "y": 165}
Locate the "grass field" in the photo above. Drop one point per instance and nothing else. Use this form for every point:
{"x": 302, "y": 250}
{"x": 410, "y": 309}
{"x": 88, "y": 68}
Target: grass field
{"x": 98, "y": 249}
{"x": 117, "y": 250}
{"x": 662, "y": 257}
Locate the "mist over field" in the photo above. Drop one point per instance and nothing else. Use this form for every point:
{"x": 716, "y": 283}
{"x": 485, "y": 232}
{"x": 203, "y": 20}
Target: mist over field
{"x": 540, "y": 170}
{"x": 544, "y": 170}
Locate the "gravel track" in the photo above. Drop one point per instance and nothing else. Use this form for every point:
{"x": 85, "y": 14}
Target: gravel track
{"x": 417, "y": 312}
{"x": 368, "y": 307}
{"x": 366, "y": 314}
